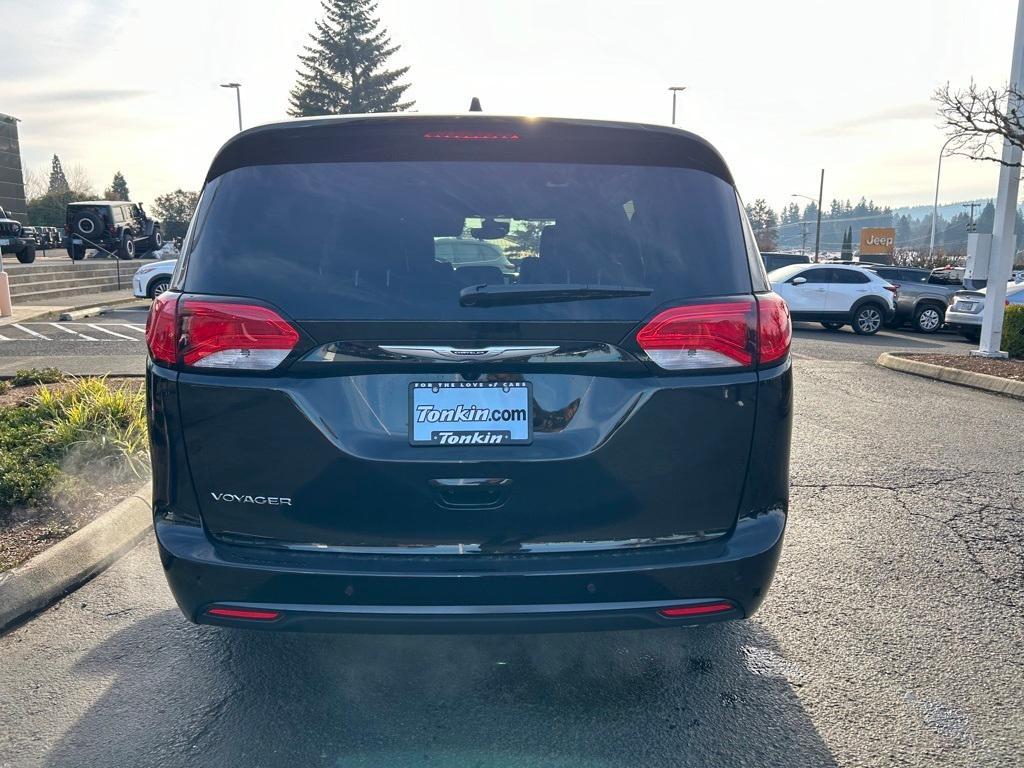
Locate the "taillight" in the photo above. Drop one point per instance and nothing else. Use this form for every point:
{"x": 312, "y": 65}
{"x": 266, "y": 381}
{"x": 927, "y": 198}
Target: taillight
{"x": 243, "y": 336}
{"x": 696, "y": 336}
{"x": 162, "y": 329}
{"x": 774, "y": 328}
{"x": 217, "y": 334}
{"x": 719, "y": 335}
{"x": 892, "y": 288}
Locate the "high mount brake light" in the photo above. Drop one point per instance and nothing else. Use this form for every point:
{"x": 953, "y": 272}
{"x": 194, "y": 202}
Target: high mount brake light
{"x": 470, "y": 136}
{"x": 719, "y": 334}
{"x": 212, "y": 333}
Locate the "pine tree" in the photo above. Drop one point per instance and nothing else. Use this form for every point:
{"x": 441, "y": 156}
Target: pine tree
{"x": 58, "y": 181}
{"x": 343, "y": 71}
{"x": 848, "y": 244}
{"x": 118, "y": 189}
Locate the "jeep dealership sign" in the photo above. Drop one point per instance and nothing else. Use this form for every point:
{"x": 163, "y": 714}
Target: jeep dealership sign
{"x": 877, "y": 241}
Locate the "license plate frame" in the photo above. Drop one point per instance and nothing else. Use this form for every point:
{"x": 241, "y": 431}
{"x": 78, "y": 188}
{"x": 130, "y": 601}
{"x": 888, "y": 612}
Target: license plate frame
{"x": 472, "y": 396}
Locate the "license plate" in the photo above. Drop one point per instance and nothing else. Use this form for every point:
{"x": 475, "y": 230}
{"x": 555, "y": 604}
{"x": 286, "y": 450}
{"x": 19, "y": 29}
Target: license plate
{"x": 470, "y": 413}
{"x": 965, "y": 306}
{"x": 5, "y": 242}
{"x": 76, "y": 241}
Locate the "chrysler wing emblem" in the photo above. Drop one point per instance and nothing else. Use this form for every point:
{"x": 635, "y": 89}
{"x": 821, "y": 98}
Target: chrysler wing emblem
{"x": 462, "y": 355}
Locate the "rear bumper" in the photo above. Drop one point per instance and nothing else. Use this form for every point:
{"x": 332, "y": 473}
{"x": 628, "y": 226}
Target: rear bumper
{"x": 472, "y": 593}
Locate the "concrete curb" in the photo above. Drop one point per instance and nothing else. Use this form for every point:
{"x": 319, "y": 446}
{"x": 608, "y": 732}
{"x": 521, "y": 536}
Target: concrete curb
{"x": 983, "y": 381}
{"x": 69, "y": 563}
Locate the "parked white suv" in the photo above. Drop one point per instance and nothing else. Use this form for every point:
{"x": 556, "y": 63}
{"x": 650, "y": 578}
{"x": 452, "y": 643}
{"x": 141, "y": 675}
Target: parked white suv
{"x": 836, "y": 295}
{"x": 967, "y": 307}
{"x": 151, "y": 280}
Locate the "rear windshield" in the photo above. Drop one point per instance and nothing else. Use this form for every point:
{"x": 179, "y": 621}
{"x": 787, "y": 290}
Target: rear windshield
{"x": 398, "y": 241}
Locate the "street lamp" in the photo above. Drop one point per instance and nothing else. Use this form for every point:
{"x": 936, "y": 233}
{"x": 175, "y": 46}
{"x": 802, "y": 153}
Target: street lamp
{"x": 935, "y": 207}
{"x": 675, "y": 92}
{"x": 238, "y": 98}
{"x": 817, "y": 228}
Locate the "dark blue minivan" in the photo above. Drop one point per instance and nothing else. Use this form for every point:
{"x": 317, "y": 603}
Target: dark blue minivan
{"x": 352, "y": 431}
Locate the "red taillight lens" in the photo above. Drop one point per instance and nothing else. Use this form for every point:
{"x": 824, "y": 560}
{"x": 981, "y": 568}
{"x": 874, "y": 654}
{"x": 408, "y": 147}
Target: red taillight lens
{"x": 250, "y": 614}
{"x": 700, "y": 609}
{"x": 717, "y": 335}
{"x": 217, "y": 334}
{"x": 892, "y": 288}
{"x": 774, "y": 328}
{"x": 162, "y": 329}
{"x": 470, "y": 136}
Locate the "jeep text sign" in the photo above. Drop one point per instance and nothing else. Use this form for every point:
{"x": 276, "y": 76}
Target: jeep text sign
{"x": 877, "y": 241}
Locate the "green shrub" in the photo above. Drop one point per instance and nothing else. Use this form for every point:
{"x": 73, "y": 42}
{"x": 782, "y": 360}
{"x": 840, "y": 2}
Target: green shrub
{"x": 1013, "y": 331}
{"x": 28, "y": 376}
{"x": 89, "y": 429}
{"x": 5, "y": 386}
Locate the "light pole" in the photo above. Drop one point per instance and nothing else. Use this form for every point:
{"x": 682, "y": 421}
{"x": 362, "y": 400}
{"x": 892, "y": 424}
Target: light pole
{"x": 238, "y": 98}
{"x": 675, "y": 92}
{"x": 817, "y": 228}
{"x": 935, "y": 207}
{"x": 1004, "y": 239}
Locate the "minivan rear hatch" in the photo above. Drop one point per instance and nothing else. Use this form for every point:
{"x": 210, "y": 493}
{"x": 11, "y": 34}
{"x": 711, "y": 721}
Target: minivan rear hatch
{"x": 430, "y": 404}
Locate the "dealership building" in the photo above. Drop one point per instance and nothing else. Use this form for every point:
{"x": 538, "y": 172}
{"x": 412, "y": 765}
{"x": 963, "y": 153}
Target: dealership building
{"x": 12, "y": 183}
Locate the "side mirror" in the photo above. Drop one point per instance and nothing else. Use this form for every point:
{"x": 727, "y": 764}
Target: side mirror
{"x": 798, "y": 280}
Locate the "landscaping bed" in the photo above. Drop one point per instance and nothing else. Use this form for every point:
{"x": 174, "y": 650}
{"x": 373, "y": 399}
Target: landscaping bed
{"x": 70, "y": 449}
{"x": 1007, "y": 369}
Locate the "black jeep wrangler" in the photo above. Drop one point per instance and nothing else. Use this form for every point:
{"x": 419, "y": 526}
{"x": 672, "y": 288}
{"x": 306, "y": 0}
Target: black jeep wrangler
{"x": 13, "y": 239}
{"x": 113, "y": 227}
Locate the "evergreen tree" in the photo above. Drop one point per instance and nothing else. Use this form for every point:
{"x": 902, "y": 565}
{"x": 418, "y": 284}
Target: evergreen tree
{"x": 58, "y": 181}
{"x": 118, "y": 189}
{"x": 764, "y": 223}
{"x": 343, "y": 71}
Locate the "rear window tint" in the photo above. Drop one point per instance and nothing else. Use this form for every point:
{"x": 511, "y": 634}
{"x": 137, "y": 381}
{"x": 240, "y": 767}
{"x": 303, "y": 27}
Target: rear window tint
{"x": 398, "y": 241}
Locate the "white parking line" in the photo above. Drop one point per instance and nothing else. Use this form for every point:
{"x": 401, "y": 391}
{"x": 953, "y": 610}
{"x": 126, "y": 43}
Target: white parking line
{"x": 112, "y": 333}
{"x": 138, "y": 328}
{"x": 30, "y": 332}
{"x": 74, "y": 333}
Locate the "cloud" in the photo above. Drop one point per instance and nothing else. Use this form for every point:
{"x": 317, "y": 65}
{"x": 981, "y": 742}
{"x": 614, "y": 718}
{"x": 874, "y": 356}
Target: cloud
{"x": 86, "y": 96}
{"x": 922, "y": 110}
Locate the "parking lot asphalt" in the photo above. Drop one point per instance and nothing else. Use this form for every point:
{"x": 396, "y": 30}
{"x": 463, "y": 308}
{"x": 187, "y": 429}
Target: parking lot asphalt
{"x": 891, "y": 636}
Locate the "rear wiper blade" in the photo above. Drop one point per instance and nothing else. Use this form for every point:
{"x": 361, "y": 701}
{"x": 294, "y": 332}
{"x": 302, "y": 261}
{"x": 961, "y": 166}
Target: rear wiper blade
{"x": 542, "y": 293}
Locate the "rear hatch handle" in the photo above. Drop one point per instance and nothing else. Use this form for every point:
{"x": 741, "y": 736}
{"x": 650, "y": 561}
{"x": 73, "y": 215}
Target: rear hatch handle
{"x": 470, "y": 492}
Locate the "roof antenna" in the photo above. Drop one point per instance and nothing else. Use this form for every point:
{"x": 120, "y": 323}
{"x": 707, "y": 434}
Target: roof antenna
{"x": 474, "y": 105}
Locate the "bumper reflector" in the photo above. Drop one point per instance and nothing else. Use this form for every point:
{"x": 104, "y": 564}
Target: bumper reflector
{"x": 250, "y": 614}
{"x": 700, "y": 609}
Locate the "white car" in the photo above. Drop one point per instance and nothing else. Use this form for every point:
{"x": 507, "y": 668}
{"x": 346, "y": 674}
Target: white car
{"x": 151, "y": 280}
{"x": 965, "y": 309}
{"x": 836, "y": 295}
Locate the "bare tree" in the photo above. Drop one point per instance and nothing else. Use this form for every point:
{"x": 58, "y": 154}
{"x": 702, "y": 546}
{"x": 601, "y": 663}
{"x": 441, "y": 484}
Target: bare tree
{"x": 37, "y": 183}
{"x": 79, "y": 181}
{"x": 979, "y": 119}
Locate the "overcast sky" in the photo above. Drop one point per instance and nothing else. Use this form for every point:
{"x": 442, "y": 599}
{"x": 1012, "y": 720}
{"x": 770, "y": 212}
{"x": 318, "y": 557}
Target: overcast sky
{"x": 782, "y": 88}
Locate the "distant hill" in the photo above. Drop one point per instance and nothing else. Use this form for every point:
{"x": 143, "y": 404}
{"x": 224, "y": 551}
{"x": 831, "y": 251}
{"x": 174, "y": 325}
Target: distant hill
{"x": 946, "y": 210}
